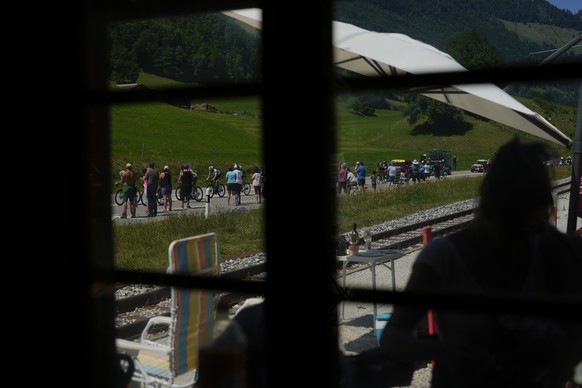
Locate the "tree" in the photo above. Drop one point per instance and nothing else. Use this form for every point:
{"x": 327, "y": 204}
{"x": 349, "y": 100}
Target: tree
{"x": 472, "y": 50}
{"x": 435, "y": 111}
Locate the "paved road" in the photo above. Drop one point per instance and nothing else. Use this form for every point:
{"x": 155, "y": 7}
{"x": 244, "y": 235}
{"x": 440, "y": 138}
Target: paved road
{"x": 217, "y": 204}
{"x": 214, "y": 204}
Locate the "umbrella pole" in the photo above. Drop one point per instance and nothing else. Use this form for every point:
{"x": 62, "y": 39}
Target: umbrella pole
{"x": 577, "y": 146}
{"x": 575, "y": 186}
{"x": 550, "y": 58}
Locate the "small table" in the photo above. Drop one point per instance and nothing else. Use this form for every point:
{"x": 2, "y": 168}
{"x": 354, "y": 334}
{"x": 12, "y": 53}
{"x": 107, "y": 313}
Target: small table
{"x": 371, "y": 258}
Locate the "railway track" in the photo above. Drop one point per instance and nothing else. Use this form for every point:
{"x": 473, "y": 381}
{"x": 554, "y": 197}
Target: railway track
{"x": 134, "y": 311}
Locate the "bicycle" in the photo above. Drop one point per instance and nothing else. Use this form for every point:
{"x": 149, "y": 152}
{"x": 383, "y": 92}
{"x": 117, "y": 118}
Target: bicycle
{"x": 216, "y": 188}
{"x": 119, "y": 196}
{"x": 143, "y": 198}
{"x": 357, "y": 190}
{"x": 197, "y": 193}
{"x": 351, "y": 187}
{"x": 246, "y": 189}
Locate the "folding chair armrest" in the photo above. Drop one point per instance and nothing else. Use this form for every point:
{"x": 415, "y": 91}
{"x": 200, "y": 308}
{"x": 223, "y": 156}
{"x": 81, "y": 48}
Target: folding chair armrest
{"x": 159, "y": 320}
{"x": 132, "y": 348}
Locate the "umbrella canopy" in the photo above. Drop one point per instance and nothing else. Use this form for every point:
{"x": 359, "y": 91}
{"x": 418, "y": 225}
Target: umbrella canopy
{"x": 371, "y": 53}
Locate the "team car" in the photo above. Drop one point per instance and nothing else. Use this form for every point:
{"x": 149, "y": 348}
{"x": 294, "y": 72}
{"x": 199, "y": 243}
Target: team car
{"x": 479, "y": 165}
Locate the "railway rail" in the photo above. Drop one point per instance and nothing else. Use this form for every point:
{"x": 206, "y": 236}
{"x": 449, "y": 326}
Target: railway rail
{"x": 134, "y": 311}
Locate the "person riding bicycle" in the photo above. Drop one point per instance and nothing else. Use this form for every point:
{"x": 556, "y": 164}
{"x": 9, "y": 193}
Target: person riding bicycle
{"x": 214, "y": 173}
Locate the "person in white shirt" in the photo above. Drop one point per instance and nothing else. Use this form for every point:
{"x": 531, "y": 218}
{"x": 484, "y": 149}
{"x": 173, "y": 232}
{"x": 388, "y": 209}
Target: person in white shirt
{"x": 257, "y": 181}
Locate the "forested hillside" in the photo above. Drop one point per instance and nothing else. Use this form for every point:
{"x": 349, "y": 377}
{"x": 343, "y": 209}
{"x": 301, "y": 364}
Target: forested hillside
{"x": 435, "y": 21}
{"x": 193, "y": 49}
{"x": 214, "y": 48}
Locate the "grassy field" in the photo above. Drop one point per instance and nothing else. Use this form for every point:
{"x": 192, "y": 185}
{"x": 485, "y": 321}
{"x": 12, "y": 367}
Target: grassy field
{"x": 172, "y": 136}
{"x": 242, "y": 234}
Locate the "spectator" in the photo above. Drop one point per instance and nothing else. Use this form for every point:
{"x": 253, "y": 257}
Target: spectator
{"x": 144, "y": 184}
{"x": 166, "y": 187}
{"x": 239, "y": 184}
{"x": 509, "y": 249}
{"x": 230, "y": 184}
{"x": 427, "y": 170}
{"x": 342, "y": 179}
{"x": 437, "y": 169}
{"x": 257, "y": 182}
{"x": 186, "y": 182}
{"x": 242, "y": 170}
{"x": 361, "y": 175}
{"x": 383, "y": 172}
{"x": 403, "y": 179}
{"x": 373, "y": 179}
{"x": 392, "y": 171}
{"x": 487, "y": 166}
{"x": 352, "y": 181}
{"x": 129, "y": 193}
{"x": 415, "y": 169}
{"x": 152, "y": 179}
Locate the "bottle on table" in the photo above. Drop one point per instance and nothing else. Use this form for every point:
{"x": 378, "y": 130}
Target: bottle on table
{"x": 354, "y": 239}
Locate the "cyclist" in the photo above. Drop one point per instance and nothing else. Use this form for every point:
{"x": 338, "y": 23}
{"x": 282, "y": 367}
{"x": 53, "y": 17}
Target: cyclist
{"x": 215, "y": 174}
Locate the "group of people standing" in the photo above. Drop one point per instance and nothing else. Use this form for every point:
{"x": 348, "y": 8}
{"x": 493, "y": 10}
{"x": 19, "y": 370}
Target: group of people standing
{"x": 160, "y": 183}
{"x": 347, "y": 177}
{"x": 152, "y": 181}
{"x": 234, "y": 184}
{"x": 235, "y": 181}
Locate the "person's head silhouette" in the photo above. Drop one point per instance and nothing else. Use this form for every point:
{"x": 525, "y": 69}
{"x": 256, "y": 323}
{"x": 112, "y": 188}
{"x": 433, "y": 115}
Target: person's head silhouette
{"x": 516, "y": 194}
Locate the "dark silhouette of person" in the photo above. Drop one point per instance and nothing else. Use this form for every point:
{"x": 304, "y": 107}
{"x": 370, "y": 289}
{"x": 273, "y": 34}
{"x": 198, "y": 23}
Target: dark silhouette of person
{"x": 153, "y": 180}
{"x": 512, "y": 249}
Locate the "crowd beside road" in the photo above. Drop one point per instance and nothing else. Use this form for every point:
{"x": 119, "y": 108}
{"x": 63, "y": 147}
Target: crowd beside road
{"x": 158, "y": 186}
{"x": 396, "y": 172}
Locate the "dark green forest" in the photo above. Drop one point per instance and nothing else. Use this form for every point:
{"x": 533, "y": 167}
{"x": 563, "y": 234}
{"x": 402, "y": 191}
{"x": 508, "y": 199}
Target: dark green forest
{"x": 214, "y": 48}
{"x": 194, "y": 49}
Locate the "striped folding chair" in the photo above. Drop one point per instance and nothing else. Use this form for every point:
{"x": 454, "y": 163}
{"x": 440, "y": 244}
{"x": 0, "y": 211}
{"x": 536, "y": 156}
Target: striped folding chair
{"x": 172, "y": 361}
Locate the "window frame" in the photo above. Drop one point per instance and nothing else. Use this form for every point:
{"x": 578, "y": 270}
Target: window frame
{"x": 300, "y": 315}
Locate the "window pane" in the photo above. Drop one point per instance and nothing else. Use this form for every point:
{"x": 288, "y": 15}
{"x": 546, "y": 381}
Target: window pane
{"x": 163, "y": 56}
